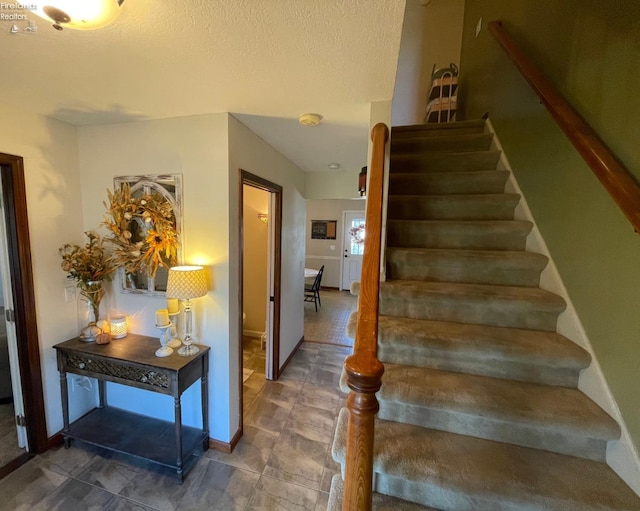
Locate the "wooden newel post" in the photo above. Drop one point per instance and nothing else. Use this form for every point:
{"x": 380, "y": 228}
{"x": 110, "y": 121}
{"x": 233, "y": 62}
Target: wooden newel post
{"x": 363, "y": 406}
{"x": 364, "y": 370}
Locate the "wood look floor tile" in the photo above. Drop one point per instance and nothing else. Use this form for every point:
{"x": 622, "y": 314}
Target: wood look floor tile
{"x": 252, "y": 451}
{"x": 297, "y": 459}
{"x": 274, "y": 495}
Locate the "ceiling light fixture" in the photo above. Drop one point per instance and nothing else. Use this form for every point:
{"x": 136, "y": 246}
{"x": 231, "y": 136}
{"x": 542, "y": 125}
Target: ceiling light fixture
{"x": 310, "y": 119}
{"x": 333, "y": 166}
{"x": 78, "y": 15}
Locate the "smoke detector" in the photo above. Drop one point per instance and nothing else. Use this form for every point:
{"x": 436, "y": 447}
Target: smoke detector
{"x": 310, "y": 119}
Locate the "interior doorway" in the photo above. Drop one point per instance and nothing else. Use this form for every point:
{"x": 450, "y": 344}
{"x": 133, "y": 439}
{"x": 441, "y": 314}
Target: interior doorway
{"x": 20, "y": 313}
{"x": 260, "y": 269}
{"x": 353, "y": 247}
{"x": 13, "y": 435}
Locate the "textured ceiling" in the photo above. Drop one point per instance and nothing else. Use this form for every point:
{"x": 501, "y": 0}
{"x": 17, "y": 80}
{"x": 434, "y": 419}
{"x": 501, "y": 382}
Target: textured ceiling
{"x": 266, "y": 61}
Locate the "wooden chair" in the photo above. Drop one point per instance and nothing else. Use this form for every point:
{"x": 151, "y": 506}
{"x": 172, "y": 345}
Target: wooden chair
{"x": 312, "y": 292}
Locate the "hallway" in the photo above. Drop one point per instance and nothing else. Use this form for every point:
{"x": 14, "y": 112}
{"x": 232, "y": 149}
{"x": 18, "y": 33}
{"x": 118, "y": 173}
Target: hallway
{"x": 283, "y": 461}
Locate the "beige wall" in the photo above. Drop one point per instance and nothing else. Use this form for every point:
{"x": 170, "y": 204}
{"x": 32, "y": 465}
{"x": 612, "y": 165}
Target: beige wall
{"x": 328, "y": 252}
{"x": 431, "y": 34}
{"x": 256, "y": 240}
{"x": 342, "y": 184}
{"x": 208, "y": 150}
{"x": 249, "y": 152}
{"x": 196, "y": 147}
{"x": 591, "y": 51}
{"x": 49, "y": 149}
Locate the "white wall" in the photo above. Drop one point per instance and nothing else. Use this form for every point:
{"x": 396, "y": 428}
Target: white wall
{"x": 249, "y": 152}
{"x": 431, "y": 34}
{"x": 319, "y": 252}
{"x": 49, "y": 149}
{"x": 196, "y": 147}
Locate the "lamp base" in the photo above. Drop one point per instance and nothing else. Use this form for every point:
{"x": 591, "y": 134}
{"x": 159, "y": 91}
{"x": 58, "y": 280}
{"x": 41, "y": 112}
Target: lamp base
{"x": 163, "y": 352}
{"x": 174, "y": 343}
{"x": 187, "y": 351}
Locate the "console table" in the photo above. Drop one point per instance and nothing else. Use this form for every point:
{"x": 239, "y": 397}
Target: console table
{"x": 131, "y": 361}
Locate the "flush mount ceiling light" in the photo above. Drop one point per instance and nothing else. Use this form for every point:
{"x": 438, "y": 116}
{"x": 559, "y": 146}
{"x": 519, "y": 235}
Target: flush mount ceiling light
{"x": 78, "y": 14}
{"x": 333, "y": 166}
{"x": 310, "y": 119}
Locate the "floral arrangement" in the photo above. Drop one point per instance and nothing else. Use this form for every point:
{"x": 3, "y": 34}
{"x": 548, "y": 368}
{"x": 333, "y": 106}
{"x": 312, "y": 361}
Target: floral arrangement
{"x": 142, "y": 231}
{"x": 357, "y": 234}
{"x": 89, "y": 263}
{"x": 90, "y": 267}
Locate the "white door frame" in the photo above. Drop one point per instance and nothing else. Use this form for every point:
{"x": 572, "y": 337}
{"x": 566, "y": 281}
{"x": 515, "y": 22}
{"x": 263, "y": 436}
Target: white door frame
{"x": 12, "y": 338}
{"x": 342, "y": 236}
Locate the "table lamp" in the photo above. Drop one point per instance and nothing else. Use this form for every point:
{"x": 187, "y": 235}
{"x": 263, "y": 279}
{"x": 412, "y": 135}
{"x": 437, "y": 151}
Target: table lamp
{"x": 185, "y": 283}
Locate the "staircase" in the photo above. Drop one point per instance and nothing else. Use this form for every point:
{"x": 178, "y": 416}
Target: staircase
{"x": 479, "y": 407}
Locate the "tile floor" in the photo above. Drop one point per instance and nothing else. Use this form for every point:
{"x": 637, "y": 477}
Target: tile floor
{"x": 9, "y": 449}
{"x": 283, "y": 461}
{"x": 329, "y": 324}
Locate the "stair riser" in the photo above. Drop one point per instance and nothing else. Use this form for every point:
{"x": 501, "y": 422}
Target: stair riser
{"x": 525, "y": 435}
{"x": 416, "y": 266}
{"x": 445, "y": 162}
{"x": 426, "y": 235}
{"x": 470, "y": 309}
{"x": 438, "y": 130}
{"x": 430, "y": 345}
{"x": 450, "y": 183}
{"x": 452, "y": 207}
{"x": 449, "y": 143}
{"x": 433, "y": 493}
{"x": 494, "y": 367}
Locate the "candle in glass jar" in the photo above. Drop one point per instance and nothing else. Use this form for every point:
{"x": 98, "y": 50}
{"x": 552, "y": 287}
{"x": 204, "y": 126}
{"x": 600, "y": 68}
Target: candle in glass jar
{"x": 172, "y": 305}
{"x": 162, "y": 317}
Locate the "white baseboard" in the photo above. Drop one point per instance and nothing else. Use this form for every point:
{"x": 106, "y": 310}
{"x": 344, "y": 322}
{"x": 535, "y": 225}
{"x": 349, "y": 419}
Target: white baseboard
{"x": 622, "y": 455}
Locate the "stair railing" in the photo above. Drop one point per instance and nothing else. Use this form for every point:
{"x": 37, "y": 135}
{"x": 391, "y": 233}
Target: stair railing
{"x": 614, "y": 176}
{"x": 363, "y": 369}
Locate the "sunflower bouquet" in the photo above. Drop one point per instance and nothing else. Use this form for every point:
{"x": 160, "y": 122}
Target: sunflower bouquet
{"x": 142, "y": 231}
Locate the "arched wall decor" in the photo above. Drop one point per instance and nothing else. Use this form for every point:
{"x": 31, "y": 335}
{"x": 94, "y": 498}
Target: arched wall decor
{"x": 169, "y": 187}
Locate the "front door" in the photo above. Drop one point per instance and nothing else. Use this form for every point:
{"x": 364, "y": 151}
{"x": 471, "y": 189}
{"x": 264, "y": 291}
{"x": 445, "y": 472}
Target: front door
{"x": 353, "y": 247}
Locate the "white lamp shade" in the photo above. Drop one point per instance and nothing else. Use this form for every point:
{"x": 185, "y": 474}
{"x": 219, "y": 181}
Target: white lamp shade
{"x": 186, "y": 282}
{"x": 78, "y": 14}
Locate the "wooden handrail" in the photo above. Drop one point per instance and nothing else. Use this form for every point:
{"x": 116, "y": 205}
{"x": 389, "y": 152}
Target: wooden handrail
{"x": 615, "y": 177}
{"x": 363, "y": 369}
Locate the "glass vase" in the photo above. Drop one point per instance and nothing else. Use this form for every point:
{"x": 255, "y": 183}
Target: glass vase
{"x": 89, "y": 310}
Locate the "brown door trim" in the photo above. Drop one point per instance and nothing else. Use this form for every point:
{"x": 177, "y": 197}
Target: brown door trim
{"x": 19, "y": 250}
{"x": 247, "y": 178}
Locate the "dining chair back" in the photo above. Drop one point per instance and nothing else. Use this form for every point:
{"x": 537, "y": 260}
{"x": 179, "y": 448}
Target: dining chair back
{"x": 312, "y": 292}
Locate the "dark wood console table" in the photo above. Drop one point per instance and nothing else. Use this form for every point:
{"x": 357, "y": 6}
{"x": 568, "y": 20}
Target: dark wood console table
{"x": 131, "y": 361}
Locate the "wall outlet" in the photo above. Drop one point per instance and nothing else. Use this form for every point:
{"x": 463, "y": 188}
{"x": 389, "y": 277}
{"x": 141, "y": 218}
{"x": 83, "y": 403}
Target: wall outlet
{"x": 332, "y": 247}
{"x": 80, "y": 382}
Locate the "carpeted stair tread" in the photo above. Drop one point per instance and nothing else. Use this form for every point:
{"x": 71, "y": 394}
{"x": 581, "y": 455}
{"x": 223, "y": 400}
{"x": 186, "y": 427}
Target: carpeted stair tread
{"x": 498, "y": 267}
{"x": 429, "y": 130}
{"x": 442, "y": 143}
{"x": 444, "y": 161}
{"x": 511, "y": 306}
{"x": 462, "y": 473}
{"x": 485, "y": 181}
{"x": 499, "y": 206}
{"x": 465, "y": 234}
{"x": 380, "y": 502}
{"x": 525, "y": 355}
{"x": 556, "y": 419}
